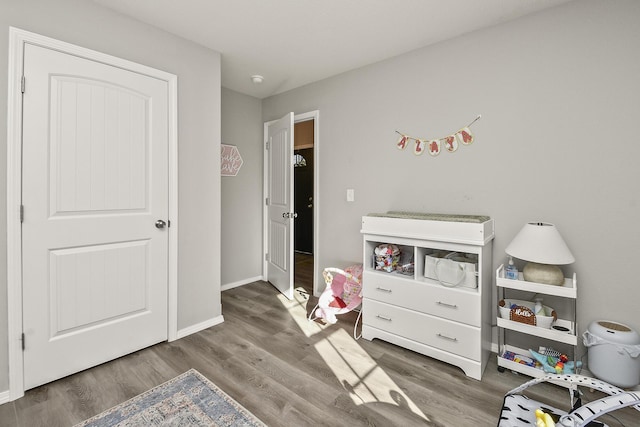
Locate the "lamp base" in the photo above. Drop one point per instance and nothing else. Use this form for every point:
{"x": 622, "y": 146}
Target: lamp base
{"x": 543, "y": 273}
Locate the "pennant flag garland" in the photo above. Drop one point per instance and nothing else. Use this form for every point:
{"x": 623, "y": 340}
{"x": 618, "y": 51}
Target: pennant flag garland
{"x": 465, "y": 136}
{"x": 402, "y": 142}
{"x": 434, "y": 146}
{"x": 451, "y": 142}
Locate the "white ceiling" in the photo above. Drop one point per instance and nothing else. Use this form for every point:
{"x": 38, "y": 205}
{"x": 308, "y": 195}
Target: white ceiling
{"x": 295, "y": 42}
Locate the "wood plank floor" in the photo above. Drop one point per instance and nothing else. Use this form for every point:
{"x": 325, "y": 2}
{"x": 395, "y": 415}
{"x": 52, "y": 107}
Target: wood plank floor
{"x": 289, "y": 372}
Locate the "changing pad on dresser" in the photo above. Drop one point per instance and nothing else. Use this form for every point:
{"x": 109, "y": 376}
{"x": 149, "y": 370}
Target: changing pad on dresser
{"x": 468, "y": 229}
{"x": 434, "y": 216}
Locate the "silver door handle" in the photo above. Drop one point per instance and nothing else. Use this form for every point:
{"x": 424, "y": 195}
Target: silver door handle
{"x": 160, "y": 223}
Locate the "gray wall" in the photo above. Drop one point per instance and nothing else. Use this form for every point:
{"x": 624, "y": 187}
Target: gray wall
{"x": 241, "y": 250}
{"x": 558, "y": 93}
{"x": 198, "y": 70}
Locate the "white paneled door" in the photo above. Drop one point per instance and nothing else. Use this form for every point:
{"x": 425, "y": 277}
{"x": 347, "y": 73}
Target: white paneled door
{"x": 280, "y": 205}
{"x": 95, "y": 197}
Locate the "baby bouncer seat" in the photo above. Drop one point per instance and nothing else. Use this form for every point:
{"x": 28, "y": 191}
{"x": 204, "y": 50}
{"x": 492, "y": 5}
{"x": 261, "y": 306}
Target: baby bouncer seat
{"x": 519, "y": 410}
{"x": 342, "y": 294}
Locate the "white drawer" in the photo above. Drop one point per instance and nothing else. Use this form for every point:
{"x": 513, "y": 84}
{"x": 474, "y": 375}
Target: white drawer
{"x": 456, "y": 338}
{"x": 460, "y": 305}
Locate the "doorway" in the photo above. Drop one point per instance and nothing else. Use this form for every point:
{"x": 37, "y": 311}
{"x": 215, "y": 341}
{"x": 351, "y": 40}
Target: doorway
{"x": 303, "y": 182}
{"x": 301, "y": 262}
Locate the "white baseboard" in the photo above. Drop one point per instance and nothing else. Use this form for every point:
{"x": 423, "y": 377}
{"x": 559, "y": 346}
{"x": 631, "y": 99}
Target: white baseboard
{"x": 5, "y": 396}
{"x": 199, "y": 327}
{"x": 240, "y": 283}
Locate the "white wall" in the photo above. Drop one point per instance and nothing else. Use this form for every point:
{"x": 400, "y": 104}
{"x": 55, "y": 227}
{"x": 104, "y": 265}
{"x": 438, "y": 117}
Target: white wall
{"x": 198, "y": 70}
{"x": 241, "y": 250}
{"x": 558, "y": 93}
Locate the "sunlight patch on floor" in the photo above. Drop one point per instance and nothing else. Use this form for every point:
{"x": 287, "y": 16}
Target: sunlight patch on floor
{"x": 360, "y": 375}
{"x": 297, "y": 307}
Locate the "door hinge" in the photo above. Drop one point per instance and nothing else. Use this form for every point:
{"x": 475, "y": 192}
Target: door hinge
{"x": 21, "y": 213}
{"x": 266, "y": 201}
{"x": 266, "y": 257}
{"x": 23, "y": 346}
{"x": 22, "y": 83}
{"x": 266, "y": 145}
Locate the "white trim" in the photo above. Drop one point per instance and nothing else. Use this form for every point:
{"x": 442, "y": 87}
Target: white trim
{"x": 265, "y": 193}
{"x": 315, "y": 116}
{"x": 240, "y": 283}
{"x": 172, "y": 273}
{"x": 17, "y": 39}
{"x": 5, "y": 397}
{"x": 14, "y": 246}
{"x": 200, "y": 327}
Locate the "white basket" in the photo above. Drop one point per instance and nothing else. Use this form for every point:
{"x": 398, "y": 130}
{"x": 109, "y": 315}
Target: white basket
{"x": 542, "y": 320}
{"x": 452, "y": 269}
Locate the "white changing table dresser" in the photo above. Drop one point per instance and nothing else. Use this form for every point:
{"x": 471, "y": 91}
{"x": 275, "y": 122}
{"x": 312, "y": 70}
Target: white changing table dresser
{"x": 452, "y": 324}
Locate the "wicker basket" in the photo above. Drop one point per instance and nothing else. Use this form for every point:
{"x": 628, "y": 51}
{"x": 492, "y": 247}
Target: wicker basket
{"x": 523, "y": 315}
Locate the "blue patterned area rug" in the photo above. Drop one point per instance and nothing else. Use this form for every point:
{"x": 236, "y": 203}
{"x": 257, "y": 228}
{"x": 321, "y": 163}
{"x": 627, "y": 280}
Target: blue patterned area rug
{"x": 189, "y": 400}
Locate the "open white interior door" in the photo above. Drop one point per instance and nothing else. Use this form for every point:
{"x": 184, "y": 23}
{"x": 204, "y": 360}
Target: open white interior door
{"x": 280, "y": 205}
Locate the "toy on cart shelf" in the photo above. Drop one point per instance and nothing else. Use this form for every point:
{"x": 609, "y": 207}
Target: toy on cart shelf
{"x": 549, "y": 361}
{"x": 519, "y": 358}
{"x": 555, "y": 365}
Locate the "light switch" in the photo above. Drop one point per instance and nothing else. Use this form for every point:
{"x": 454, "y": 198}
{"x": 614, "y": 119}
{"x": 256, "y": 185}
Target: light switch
{"x": 350, "y": 195}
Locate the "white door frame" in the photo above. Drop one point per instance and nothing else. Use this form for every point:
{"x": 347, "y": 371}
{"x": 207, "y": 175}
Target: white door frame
{"x": 17, "y": 39}
{"x": 315, "y": 116}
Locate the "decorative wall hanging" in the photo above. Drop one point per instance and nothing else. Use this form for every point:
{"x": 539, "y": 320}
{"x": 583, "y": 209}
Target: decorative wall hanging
{"x": 230, "y": 160}
{"x": 435, "y": 146}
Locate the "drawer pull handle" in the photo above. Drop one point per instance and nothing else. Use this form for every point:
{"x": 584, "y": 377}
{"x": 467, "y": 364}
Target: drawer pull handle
{"x": 448, "y": 338}
{"x": 447, "y": 305}
{"x": 388, "y": 319}
{"x": 383, "y": 289}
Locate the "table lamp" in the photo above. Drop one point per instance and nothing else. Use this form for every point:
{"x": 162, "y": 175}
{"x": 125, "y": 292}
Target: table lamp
{"x": 541, "y": 245}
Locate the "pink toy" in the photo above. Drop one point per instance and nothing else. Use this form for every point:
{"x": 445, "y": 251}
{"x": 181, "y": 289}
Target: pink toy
{"x": 342, "y": 294}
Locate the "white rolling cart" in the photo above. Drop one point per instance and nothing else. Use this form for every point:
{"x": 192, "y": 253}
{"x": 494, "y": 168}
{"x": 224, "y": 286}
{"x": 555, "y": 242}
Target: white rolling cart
{"x": 569, "y": 336}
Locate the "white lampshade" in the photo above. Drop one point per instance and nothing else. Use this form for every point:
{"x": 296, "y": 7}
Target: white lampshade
{"x": 540, "y": 242}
